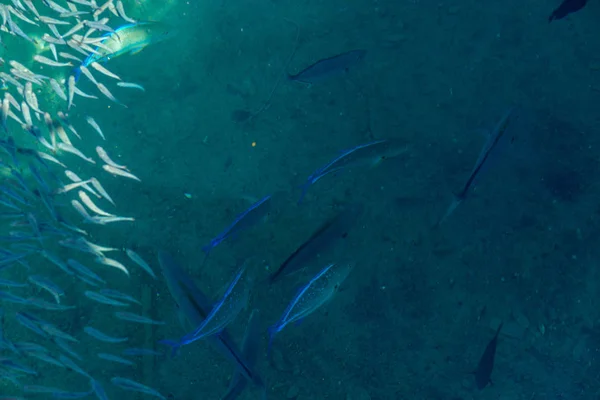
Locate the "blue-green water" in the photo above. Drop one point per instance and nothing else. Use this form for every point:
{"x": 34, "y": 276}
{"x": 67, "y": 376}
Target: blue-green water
{"x": 422, "y": 301}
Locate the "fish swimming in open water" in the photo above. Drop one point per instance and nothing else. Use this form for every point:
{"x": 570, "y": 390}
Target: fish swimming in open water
{"x": 488, "y": 147}
{"x": 328, "y": 67}
{"x": 196, "y": 307}
{"x": 483, "y": 373}
{"x": 311, "y": 296}
{"x": 566, "y": 7}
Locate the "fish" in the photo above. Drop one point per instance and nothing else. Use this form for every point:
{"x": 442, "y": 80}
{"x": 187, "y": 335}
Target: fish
{"x": 131, "y": 85}
{"x": 48, "y": 285}
{"x": 250, "y": 349}
{"x": 128, "y": 384}
{"x": 115, "y": 358}
{"x": 100, "y": 298}
{"x": 196, "y": 306}
{"x": 311, "y": 296}
{"x": 130, "y": 38}
{"x": 255, "y": 213}
{"x": 140, "y": 319}
{"x": 487, "y": 149}
{"x": 566, "y": 7}
{"x": 95, "y": 125}
{"x": 367, "y": 155}
{"x": 483, "y": 373}
{"x": 120, "y": 172}
{"x": 222, "y": 314}
{"x": 328, "y": 67}
{"x": 323, "y": 239}
{"x": 95, "y": 333}
{"x": 136, "y": 258}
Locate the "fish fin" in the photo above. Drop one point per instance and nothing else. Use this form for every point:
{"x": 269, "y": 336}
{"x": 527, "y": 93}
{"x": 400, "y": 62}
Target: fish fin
{"x": 137, "y": 50}
{"x": 175, "y": 346}
{"x": 455, "y": 203}
{"x": 304, "y": 187}
{"x": 271, "y": 331}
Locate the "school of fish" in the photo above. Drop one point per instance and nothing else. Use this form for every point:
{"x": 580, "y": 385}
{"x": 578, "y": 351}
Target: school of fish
{"x": 53, "y": 201}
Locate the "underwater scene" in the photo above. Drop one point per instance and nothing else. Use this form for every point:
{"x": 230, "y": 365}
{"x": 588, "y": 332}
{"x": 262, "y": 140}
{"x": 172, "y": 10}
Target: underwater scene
{"x": 366, "y": 200}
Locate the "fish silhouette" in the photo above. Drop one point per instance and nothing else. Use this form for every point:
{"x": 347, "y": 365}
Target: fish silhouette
{"x": 483, "y": 373}
{"x": 567, "y": 7}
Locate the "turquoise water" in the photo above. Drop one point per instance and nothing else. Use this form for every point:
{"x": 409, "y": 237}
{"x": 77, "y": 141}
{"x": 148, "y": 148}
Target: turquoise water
{"x": 415, "y": 314}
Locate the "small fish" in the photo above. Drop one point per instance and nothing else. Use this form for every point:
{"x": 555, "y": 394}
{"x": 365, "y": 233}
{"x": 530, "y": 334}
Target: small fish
{"x": 95, "y": 125}
{"x": 112, "y": 263}
{"x": 140, "y": 319}
{"x": 311, "y": 296}
{"x": 328, "y": 67}
{"x": 103, "y": 193}
{"x": 71, "y": 91}
{"x": 135, "y": 351}
{"x": 136, "y": 258}
{"x": 104, "y": 299}
{"x": 112, "y": 357}
{"x": 120, "y": 172}
{"x": 98, "y": 390}
{"x": 128, "y": 384}
{"x": 115, "y": 294}
{"x": 5, "y": 296}
{"x": 566, "y": 7}
{"x": 91, "y": 205}
{"x": 131, "y": 86}
{"x": 104, "y": 90}
{"x": 107, "y": 160}
{"x": 95, "y": 333}
{"x": 47, "y": 285}
{"x": 483, "y": 373}
{"x": 102, "y": 70}
{"x": 51, "y": 63}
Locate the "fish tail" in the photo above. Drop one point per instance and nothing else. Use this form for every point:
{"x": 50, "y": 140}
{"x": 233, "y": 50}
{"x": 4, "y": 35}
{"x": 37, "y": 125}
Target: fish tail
{"x": 206, "y": 249}
{"x": 272, "y": 331}
{"x": 304, "y": 187}
{"x": 455, "y": 203}
{"x": 77, "y": 73}
{"x": 175, "y": 346}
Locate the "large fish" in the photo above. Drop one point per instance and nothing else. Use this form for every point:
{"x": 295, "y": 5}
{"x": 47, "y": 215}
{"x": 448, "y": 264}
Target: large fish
{"x": 320, "y": 242}
{"x": 196, "y": 307}
{"x": 483, "y": 373}
{"x": 484, "y": 155}
{"x": 130, "y": 38}
{"x": 311, "y": 296}
{"x": 328, "y": 67}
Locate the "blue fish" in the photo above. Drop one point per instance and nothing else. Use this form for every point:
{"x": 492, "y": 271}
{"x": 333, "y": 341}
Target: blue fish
{"x": 484, "y": 155}
{"x": 255, "y": 213}
{"x": 222, "y": 314}
{"x": 328, "y": 67}
{"x": 196, "y": 306}
{"x": 321, "y": 241}
{"x": 346, "y": 158}
{"x": 311, "y": 296}
{"x": 250, "y": 348}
